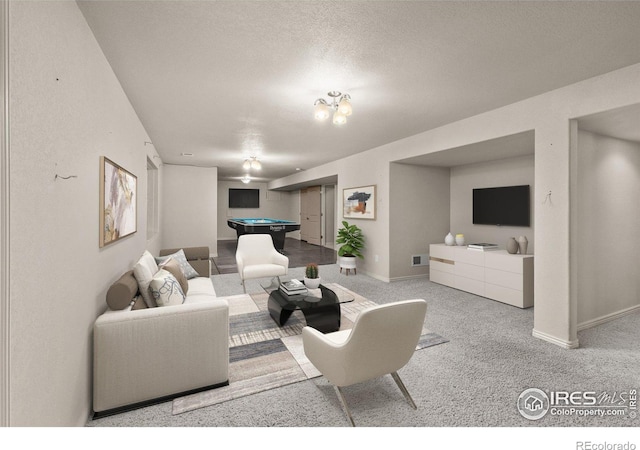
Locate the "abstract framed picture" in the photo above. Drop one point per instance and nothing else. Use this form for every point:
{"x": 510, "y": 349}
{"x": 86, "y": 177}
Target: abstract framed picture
{"x": 118, "y": 202}
{"x": 359, "y": 202}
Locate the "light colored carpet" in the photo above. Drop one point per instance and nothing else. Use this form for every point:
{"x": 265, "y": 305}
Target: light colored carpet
{"x": 472, "y": 381}
{"x": 265, "y": 356}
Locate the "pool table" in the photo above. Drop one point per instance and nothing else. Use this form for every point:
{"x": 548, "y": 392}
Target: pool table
{"x": 275, "y": 227}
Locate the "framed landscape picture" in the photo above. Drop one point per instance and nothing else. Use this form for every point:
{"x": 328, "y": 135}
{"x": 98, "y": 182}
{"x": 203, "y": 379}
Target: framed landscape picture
{"x": 359, "y": 203}
{"x": 118, "y": 202}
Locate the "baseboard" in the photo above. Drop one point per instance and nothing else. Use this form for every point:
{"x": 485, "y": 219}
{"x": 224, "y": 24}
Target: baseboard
{"x": 154, "y": 401}
{"x": 410, "y": 277}
{"x": 554, "y": 340}
{"x": 607, "y": 318}
{"x": 377, "y": 277}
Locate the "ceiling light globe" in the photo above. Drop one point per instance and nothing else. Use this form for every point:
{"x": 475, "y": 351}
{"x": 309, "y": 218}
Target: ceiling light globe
{"x": 339, "y": 118}
{"x": 321, "y": 111}
{"x": 246, "y": 165}
{"x": 345, "y": 106}
{"x": 255, "y": 164}
{"x": 246, "y": 179}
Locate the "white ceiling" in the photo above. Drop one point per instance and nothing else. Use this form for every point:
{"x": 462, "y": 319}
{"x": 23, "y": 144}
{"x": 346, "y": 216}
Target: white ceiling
{"x": 226, "y": 79}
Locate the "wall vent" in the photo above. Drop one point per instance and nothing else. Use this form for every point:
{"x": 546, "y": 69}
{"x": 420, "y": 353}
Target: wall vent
{"x": 419, "y": 260}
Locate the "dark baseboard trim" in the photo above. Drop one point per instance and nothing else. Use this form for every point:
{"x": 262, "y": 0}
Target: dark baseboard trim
{"x": 154, "y": 401}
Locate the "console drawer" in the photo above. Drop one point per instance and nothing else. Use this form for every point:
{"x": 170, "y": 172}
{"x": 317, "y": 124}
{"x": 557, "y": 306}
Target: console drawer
{"x": 469, "y": 271}
{"x": 448, "y": 279}
{"x": 501, "y": 278}
{"x": 469, "y": 285}
{"x": 442, "y": 265}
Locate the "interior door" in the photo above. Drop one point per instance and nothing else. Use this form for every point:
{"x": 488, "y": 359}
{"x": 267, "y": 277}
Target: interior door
{"x": 311, "y": 215}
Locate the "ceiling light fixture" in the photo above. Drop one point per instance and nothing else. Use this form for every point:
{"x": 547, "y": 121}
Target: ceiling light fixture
{"x": 246, "y": 179}
{"x": 252, "y": 163}
{"x": 340, "y": 104}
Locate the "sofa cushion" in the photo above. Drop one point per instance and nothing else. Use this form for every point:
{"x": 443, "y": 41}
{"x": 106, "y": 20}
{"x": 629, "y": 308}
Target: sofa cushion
{"x": 201, "y": 285}
{"x": 144, "y": 270}
{"x": 122, "y": 292}
{"x": 165, "y": 289}
{"x": 172, "y": 266}
{"x": 180, "y": 257}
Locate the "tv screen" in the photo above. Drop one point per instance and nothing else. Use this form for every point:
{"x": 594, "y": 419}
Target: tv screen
{"x": 244, "y": 198}
{"x": 507, "y": 205}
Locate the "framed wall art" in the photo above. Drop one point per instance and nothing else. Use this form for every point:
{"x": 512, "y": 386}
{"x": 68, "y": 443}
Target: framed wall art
{"x": 118, "y": 202}
{"x": 359, "y": 203}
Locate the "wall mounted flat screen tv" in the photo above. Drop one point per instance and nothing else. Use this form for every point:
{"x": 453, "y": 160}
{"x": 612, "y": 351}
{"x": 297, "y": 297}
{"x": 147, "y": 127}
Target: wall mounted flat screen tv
{"x": 509, "y": 205}
{"x": 244, "y": 198}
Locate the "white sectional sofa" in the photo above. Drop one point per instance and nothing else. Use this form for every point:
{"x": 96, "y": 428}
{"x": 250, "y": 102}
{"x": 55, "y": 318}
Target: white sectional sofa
{"x": 144, "y": 355}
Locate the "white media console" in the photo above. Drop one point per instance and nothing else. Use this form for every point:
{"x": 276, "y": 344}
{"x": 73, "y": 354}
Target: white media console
{"x": 494, "y": 274}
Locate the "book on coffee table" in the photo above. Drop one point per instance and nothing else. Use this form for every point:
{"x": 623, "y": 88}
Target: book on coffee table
{"x": 293, "y": 287}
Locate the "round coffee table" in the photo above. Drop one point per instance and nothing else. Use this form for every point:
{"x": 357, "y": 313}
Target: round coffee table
{"x": 320, "y": 307}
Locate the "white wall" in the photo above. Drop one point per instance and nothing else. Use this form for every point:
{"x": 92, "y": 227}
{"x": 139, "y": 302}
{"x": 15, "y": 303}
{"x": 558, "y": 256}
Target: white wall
{"x": 190, "y": 207}
{"x": 273, "y": 204}
{"x": 503, "y": 172}
{"x": 549, "y": 115}
{"x": 608, "y": 214}
{"x": 66, "y": 110}
{"x": 419, "y": 201}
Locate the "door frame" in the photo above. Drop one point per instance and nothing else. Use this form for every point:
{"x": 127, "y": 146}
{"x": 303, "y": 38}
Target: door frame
{"x": 5, "y": 297}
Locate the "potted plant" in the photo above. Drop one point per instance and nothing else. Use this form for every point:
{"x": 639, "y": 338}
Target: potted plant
{"x": 352, "y": 240}
{"x": 311, "y": 276}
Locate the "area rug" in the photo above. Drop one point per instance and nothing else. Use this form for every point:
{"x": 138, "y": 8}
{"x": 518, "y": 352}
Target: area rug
{"x": 264, "y": 356}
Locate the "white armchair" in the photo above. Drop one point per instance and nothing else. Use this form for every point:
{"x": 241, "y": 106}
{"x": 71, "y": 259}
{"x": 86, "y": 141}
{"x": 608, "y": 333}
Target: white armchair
{"x": 256, "y": 257}
{"x": 382, "y": 341}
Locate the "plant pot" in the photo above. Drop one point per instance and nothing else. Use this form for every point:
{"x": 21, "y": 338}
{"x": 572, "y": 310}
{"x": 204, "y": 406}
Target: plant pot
{"x": 312, "y": 283}
{"x": 348, "y": 262}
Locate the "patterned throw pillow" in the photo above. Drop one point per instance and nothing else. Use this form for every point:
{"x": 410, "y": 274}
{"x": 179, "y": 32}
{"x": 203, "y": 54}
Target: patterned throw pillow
{"x": 172, "y": 266}
{"x": 165, "y": 289}
{"x": 179, "y": 256}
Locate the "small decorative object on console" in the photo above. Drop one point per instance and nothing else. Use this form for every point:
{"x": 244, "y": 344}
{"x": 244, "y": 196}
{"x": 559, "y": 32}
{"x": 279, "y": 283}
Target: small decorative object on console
{"x": 482, "y": 246}
{"x": 449, "y": 239}
{"x": 523, "y": 243}
{"x": 512, "y": 246}
{"x": 460, "y": 239}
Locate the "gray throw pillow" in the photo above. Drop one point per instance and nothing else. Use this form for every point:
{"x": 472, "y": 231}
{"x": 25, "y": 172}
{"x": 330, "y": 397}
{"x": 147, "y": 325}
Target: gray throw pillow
{"x": 181, "y": 259}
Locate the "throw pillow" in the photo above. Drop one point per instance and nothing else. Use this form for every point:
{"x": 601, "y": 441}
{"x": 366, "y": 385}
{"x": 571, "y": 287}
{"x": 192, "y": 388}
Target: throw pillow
{"x": 165, "y": 289}
{"x": 144, "y": 270}
{"x": 121, "y": 292}
{"x": 179, "y": 256}
{"x": 172, "y": 266}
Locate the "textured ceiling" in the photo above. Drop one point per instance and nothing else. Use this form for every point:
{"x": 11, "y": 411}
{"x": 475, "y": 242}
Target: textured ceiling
{"x": 227, "y": 79}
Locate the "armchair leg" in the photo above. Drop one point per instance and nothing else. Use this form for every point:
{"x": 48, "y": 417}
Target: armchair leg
{"x": 344, "y": 405}
{"x": 402, "y": 387}
{"x": 244, "y": 288}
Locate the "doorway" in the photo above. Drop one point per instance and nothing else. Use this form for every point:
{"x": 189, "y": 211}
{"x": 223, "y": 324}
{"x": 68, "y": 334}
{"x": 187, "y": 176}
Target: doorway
{"x": 311, "y": 215}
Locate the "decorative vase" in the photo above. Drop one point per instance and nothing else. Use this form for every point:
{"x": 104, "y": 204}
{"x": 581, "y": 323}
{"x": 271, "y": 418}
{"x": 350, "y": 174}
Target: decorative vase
{"x": 449, "y": 239}
{"x": 312, "y": 283}
{"x": 523, "y": 243}
{"x": 512, "y": 246}
{"x": 460, "y": 239}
